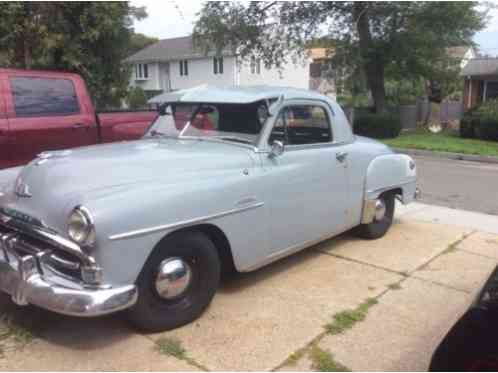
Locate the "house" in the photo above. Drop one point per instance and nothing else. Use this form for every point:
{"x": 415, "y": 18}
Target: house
{"x": 481, "y": 81}
{"x": 173, "y": 64}
{"x": 462, "y": 54}
{"x": 321, "y": 76}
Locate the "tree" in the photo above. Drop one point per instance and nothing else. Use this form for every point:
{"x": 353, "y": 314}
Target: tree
{"x": 413, "y": 36}
{"x": 89, "y": 38}
{"x": 140, "y": 41}
{"x": 136, "y": 98}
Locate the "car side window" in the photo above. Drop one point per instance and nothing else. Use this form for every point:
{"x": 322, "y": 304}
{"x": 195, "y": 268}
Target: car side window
{"x": 43, "y": 96}
{"x": 301, "y": 125}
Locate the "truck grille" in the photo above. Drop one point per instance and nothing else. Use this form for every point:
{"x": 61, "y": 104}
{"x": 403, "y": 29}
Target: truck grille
{"x": 59, "y": 261}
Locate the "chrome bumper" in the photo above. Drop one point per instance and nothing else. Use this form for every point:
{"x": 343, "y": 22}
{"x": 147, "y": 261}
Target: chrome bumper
{"x": 417, "y": 194}
{"x": 22, "y": 278}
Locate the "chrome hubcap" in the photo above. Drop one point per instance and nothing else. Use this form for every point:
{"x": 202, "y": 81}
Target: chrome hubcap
{"x": 173, "y": 278}
{"x": 380, "y": 209}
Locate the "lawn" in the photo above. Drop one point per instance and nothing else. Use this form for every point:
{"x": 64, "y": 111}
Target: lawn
{"x": 443, "y": 142}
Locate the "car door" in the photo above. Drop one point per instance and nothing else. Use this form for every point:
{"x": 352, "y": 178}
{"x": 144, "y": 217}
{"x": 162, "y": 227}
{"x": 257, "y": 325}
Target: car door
{"x": 5, "y": 146}
{"x": 309, "y": 197}
{"x": 45, "y": 114}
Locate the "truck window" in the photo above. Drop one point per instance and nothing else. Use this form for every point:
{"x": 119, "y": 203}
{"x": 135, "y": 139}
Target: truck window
{"x": 43, "y": 97}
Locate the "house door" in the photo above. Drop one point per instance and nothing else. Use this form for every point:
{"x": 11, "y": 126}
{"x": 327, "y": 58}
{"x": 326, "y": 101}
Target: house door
{"x": 164, "y": 76}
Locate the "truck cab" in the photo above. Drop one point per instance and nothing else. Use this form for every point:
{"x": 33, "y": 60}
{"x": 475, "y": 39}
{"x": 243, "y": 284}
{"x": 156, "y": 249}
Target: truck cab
{"x": 44, "y": 110}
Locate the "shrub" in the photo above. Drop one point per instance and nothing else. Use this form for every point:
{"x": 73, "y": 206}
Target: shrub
{"x": 488, "y": 128}
{"x": 379, "y": 126}
{"x": 487, "y": 125}
{"x": 136, "y": 98}
{"x": 468, "y": 125}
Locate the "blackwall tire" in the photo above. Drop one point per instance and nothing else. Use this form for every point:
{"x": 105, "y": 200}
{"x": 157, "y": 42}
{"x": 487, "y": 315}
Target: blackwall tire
{"x": 378, "y": 228}
{"x": 157, "y": 311}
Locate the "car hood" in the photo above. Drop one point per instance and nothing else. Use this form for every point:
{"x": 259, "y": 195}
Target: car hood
{"x": 77, "y": 173}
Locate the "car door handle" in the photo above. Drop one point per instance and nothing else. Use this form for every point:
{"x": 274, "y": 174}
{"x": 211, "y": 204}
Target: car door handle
{"x": 341, "y": 156}
{"x": 78, "y": 126}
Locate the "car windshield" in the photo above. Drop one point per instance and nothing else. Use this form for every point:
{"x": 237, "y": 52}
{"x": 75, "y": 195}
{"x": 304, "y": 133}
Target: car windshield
{"x": 229, "y": 122}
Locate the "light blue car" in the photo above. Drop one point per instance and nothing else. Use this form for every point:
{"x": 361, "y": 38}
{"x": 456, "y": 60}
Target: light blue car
{"x": 225, "y": 179}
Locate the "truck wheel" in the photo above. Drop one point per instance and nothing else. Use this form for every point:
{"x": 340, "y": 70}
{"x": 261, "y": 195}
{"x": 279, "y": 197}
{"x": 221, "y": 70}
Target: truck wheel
{"x": 382, "y": 220}
{"x": 177, "y": 282}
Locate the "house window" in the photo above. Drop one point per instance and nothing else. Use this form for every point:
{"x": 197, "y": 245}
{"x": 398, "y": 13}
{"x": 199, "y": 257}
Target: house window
{"x": 141, "y": 71}
{"x": 491, "y": 90}
{"x": 218, "y": 65}
{"x": 255, "y": 65}
{"x": 183, "y": 68}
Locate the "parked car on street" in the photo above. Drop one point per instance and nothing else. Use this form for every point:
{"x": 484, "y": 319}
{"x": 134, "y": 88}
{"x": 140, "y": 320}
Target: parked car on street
{"x": 224, "y": 179}
{"x": 42, "y": 110}
{"x": 470, "y": 345}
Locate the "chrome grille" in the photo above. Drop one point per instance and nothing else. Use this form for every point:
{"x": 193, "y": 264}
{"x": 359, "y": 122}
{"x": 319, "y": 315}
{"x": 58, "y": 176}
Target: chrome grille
{"x": 22, "y": 245}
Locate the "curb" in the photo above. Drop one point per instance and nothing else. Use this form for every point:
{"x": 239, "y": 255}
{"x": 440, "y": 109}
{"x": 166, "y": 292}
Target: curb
{"x": 448, "y": 155}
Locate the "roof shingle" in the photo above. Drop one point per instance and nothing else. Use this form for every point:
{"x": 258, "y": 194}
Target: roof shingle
{"x": 170, "y": 49}
{"x": 481, "y": 66}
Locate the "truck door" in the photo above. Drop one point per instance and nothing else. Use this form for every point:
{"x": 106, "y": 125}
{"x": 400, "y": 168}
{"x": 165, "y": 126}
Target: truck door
{"x": 46, "y": 113}
{"x": 5, "y": 149}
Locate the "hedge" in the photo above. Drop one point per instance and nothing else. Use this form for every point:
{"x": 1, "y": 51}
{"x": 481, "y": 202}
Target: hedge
{"x": 481, "y": 122}
{"x": 378, "y": 126}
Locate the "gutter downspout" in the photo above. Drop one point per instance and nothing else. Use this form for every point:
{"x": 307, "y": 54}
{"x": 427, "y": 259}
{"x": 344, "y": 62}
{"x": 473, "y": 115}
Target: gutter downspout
{"x": 469, "y": 104}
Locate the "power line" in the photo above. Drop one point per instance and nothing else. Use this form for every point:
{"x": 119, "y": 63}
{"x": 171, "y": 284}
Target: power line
{"x": 177, "y": 7}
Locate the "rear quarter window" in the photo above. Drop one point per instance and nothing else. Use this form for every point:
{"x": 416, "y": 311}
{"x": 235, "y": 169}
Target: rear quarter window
{"x": 43, "y": 96}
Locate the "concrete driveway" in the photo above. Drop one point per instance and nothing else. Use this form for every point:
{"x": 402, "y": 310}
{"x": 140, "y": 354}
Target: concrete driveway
{"x": 343, "y": 304}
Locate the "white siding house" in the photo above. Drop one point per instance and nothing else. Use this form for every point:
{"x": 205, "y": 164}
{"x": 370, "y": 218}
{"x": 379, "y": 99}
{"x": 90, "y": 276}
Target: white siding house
{"x": 173, "y": 64}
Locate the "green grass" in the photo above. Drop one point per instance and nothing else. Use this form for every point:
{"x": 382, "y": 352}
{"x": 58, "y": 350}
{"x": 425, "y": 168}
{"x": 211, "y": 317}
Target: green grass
{"x": 346, "y": 319}
{"x": 13, "y": 335}
{"x": 444, "y": 142}
{"x": 171, "y": 347}
{"x": 323, "y": 361}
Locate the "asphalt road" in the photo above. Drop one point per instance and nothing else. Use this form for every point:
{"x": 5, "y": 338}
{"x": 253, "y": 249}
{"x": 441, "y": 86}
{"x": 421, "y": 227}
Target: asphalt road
{"x": 471, "y": 186}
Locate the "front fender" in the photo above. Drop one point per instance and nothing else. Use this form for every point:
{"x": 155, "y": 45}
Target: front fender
{"x": 391, "y": 171}
{"x": 8, "y": 177}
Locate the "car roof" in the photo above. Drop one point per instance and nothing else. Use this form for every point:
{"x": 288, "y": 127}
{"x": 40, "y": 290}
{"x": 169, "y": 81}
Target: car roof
{"x": 234, "y": 95}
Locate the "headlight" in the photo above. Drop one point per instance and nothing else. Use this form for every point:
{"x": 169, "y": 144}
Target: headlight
{"x": 80, "y": 226}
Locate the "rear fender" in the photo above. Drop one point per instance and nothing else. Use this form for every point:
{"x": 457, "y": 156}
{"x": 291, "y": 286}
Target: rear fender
{"x": 389, "y": 172}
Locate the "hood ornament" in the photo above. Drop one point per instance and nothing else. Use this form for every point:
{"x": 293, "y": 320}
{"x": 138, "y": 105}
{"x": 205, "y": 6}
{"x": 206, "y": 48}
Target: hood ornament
{"x": 22, "y": 190}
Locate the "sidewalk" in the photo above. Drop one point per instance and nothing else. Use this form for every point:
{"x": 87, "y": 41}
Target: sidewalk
{"x": 445, "y": 215}
{"x": 351, "y": 303}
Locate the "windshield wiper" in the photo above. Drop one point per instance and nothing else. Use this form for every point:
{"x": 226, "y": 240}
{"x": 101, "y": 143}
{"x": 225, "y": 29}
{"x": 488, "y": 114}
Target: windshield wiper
{"x": 236, "y": 139}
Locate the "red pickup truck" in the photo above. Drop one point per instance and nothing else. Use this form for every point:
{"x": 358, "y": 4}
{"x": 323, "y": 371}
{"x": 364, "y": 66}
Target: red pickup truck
{"x": 43, "y": 110}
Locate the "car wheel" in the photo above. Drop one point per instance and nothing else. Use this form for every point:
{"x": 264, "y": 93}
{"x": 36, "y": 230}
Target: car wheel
{"x": 177, "y": 282}
{"x": 382, "y": 220}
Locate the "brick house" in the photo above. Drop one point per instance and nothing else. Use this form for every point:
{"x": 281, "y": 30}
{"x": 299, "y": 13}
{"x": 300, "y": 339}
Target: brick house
{"x": 481, "y": 81}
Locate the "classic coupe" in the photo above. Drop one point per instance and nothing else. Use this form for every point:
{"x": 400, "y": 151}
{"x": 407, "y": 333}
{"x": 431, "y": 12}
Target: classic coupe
{"x": 224, "y": 179}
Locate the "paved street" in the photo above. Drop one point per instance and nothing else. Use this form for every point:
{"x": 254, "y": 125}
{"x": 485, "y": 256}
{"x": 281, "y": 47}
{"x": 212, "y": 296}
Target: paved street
{"x": 463, "y": 185}
{"x": 421, "y": 277}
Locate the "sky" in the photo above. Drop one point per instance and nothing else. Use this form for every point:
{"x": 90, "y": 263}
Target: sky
{"x": 170, "y": 19}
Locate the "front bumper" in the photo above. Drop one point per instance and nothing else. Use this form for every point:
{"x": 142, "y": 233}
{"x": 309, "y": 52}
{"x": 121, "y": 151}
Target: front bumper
{"x": 24, "y": 278}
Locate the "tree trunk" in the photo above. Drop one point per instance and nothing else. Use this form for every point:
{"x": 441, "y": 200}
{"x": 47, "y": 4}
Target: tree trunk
{"x": 371, "y": 61}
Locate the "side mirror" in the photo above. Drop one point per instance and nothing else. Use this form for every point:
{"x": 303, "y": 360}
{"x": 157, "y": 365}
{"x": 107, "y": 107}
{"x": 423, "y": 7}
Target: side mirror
{"x": 277, "y": 148}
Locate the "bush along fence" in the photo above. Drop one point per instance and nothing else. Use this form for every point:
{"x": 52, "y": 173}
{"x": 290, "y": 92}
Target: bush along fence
{"x": 481, "y": 122}
{"x": 378, "y": 126}
{"x": 410, "y": 115}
